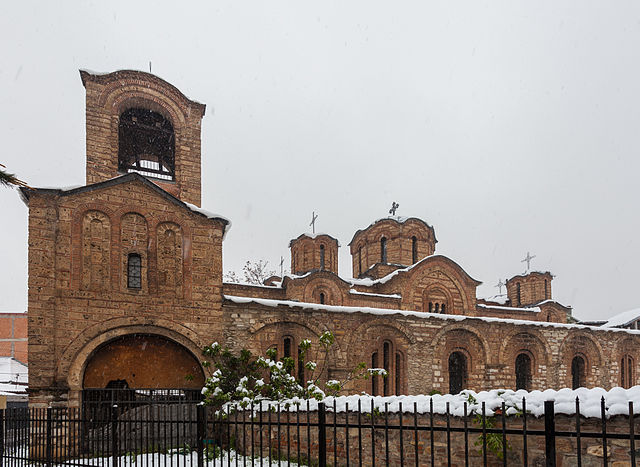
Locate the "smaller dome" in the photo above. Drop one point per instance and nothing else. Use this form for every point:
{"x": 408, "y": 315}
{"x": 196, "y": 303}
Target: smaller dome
{"x": 314, "y": 252}
{"x": 391, "y": 242}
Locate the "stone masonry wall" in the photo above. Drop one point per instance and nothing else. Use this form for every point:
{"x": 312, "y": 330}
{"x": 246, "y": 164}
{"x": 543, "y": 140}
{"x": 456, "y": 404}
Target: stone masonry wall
{"x": 78, "y": 299}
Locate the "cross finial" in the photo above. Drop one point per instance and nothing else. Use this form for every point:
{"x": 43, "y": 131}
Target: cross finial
{"x": 314, "y": 216}
{"x": 394, "y": 207}
{"x": 281, "y": 266}
{"x": 527, "y": 260}
{"x": 500, "y": 284}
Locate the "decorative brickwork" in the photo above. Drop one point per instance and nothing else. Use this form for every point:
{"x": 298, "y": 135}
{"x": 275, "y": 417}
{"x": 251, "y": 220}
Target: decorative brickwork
{"x": 125, "y": 257}
{"x": 314, "y": 253}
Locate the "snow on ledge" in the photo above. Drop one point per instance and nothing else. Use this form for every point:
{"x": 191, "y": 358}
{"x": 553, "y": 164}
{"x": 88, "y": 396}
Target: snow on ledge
{"x": 533, "y": 309}
{"x": 616, "y": 402}
{"x": 369, "y": 294}
{"x": 209, "y": 215}
{"x": 417, "y": 314}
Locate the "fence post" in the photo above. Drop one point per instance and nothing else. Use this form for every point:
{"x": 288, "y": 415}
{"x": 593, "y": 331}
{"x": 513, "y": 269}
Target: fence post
{"x": 49, "y": 446}
{"x": 200, "y": 420}
{"x": 114, "y": 435}
{"x": 322, "y": 436}
{"x": 2, "y": 437}
{"x": 550, "y": 433}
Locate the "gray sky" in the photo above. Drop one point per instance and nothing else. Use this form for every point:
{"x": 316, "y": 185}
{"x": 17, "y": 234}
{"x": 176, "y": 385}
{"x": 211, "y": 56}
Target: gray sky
{"x": 508, "y": 126}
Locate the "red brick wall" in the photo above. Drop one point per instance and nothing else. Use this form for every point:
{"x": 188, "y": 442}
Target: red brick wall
{"x": 13, "y": 336}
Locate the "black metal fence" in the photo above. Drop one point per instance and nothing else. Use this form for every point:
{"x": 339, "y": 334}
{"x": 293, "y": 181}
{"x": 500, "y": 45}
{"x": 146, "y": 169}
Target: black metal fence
{"x": 173, "y": 430}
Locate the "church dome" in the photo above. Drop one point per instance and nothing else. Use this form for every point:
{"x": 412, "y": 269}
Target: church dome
{"x": 390, "y": 243}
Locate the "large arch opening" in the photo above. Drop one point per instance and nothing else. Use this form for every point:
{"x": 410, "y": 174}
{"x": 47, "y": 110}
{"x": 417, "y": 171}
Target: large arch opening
{"x": 146, "y": 144}
{"x": 142, "y": 361}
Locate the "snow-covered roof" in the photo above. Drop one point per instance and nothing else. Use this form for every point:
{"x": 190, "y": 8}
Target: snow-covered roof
{"x": 528, "y": 273}
{"x": 616, "y": 402}
{"x": 315, "y": 235}
{"x": 534, "y": 309}
{"x": 622, "y": 319}
{"x": 367, "y": 282}
{"x": 500, "y": 298}
{"x": 417, "y": 314}
{"x": 368, "y": 294}
{"x": 14, "y": 376}
{"x": 25, "y": 193}
{"x": 398, "y": 219}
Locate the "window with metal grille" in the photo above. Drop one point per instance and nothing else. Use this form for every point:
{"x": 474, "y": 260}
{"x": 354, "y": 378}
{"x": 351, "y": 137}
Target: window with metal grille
{"x": 134, "y": 271}
{"x": 146, "y": 144}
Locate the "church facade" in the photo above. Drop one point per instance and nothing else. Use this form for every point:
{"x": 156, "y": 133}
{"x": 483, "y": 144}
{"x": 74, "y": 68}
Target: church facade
{"x": 126, "y": 288}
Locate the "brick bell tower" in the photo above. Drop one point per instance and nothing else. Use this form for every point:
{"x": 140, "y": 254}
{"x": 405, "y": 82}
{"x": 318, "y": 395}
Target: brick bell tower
{"x": 137, "y": 122}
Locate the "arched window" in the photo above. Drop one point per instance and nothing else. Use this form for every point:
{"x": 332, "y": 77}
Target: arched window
{"x": 523, "y": 371}
{"x": 374, "y": 379}
{"x": 546, "y": 289}
{"x": 322, "y": 257}
{"x": 518, "y": 298}
{"x": 360, "y": 261}
{"x": 386, "y": 364}
{"x": 134, "y": 271}
{"x": 287, "y": 347}
{"x": 457, "y": 372}
{"x": 626, "y": 371}
{"x": 321, "y": 298}
{"x": 437, "y": 308}
{"x": 146, "y": 144}
{"x": 577, "y": 372}
{"x": 442, "y": 308}
{"x": 383, "y": 250}
{"x": 430, "y": 307}
{"x": 414, "y": 249}
{"x": 399, "y": 374}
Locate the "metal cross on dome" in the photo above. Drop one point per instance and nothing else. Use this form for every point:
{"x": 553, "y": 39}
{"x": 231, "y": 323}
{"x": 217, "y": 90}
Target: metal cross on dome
{"x": 313, "y": 221}
{"x": 500, "y": 284}
{"x": 394, "y": 207}
{"x": 527, "y": 260}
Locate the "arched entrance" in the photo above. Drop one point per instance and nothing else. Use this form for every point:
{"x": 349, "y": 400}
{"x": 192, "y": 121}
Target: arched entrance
{"x": 142, "y": 361}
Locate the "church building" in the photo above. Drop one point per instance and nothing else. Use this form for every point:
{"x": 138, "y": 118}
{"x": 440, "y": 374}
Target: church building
{"x": 126, "y": 283}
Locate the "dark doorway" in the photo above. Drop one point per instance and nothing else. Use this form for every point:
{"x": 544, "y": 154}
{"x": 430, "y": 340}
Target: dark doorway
{"x": 577, "y": 372}
{"x": 523, "y": 371}
{"x": 457, "y": 372}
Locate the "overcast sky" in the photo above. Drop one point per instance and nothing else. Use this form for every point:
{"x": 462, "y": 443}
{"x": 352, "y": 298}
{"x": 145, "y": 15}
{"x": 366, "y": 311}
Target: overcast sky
{"x": 509, "y": 126}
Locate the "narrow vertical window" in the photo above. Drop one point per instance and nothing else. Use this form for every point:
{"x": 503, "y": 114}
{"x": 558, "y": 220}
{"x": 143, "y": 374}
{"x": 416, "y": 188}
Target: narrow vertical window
{"x": 626, "y": 372}
{"x": 374, "y": 379}
{"x": 430, "y": 307}
{"x": 360, "y": 261}
{"x": 523, "y": 371}
{"x": 322, "y": 257}
{"x": 546, "y": 289}
{"x": 577, "y": 372}
{"x": 437, "y": 308}
{"x": 399, "y": 374}
{"x": 386, "y": 350}
{"x": 300, "y": 368}
{"x": 383, "y": 250}
{"x": 457, "y": 372}
{"x": 518, "y": 298}
{"x": 134, "y": 271}
{"x": 442, "y": 308}
{"x": 321, "y": 298}
{"x": 287, "y": 347}
{"x": 414, "y": 249}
